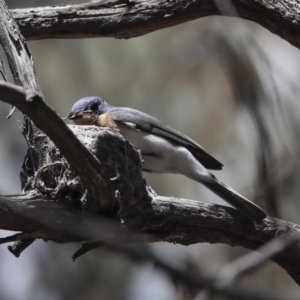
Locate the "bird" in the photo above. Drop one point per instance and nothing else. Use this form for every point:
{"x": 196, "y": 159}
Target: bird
{"x": 163, "y": 149}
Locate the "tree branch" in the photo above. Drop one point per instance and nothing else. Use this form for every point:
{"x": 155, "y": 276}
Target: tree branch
{"x": 126, "y": 19}
{"x": 50, "y": 220}
{"x": 80, "y": 159}
{"x": 167, "y": 219}
{"x": 30, "y": 102}
{"x": 197, "y": 282}
{"x": 18, "y": 55}
{"x": 248, "y": 263}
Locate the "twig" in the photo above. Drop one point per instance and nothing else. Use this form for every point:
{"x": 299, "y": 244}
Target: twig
{"x": 19, "y": 242}
{"x": 86, "y": 247}
{"x": 248, "y": 263}
{"x": 40, "y": 170}
{"x": 11, "y": 238}
{"x": 16, "y": 248}
{"x": 194, "y": 283}
{"x": 2, "y": 70}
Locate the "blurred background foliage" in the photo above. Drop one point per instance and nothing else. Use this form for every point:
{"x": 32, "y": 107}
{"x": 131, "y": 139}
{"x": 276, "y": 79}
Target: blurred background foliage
{"x": 227, "y": 83}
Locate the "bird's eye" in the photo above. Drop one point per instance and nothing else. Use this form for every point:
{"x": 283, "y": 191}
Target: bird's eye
{"x": 94, "y": 107}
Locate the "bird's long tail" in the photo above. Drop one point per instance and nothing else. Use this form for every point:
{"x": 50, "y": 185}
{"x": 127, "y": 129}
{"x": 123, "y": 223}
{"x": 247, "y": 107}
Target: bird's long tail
{"x": 245, "y": 206}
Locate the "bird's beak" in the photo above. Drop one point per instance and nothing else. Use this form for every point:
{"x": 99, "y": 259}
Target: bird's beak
{"x": 78, "y": 114}
{"x": 74, "y": 115}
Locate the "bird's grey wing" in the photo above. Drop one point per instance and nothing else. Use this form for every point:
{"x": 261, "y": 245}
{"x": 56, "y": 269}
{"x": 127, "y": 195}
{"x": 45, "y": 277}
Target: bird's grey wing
{"x": 144, "y": 122}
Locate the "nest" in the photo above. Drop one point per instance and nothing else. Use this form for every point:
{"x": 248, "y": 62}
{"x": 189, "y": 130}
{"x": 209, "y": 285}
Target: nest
{"x": 46, "y": 172}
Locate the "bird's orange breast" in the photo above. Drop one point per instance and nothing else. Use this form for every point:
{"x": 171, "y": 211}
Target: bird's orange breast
{"x": 106, "y": 120}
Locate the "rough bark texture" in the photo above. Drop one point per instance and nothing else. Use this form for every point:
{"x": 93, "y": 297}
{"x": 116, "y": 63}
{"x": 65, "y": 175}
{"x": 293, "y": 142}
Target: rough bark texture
{"x": 54, "y": 209}
{"x": 126, "y": 19}
{"x": 15, "y": 46}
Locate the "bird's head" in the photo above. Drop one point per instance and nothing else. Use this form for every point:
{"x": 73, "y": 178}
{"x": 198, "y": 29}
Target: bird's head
{"x": 86, "y": 110}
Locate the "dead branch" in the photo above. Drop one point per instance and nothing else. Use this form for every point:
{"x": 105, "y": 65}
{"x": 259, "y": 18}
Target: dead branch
{"x": 127, "y": 19}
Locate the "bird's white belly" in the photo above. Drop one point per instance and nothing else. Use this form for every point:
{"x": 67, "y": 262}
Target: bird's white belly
{"x": 154, "y": 149}
{"x": 159, "y": 154}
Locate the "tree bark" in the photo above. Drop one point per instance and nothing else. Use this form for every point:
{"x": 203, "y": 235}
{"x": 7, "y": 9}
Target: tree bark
{"x": 127, "y": 19}
{"x": 54, "y": 206}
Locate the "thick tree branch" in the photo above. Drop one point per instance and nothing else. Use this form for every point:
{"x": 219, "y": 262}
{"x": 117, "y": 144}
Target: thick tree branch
{"x": 18, "y": 56}
{"x": 50, "y": 220}
{"x": 167, "y": 219}
{"x": 81, "y": 160}
{"x": 15, "y": 47}
{"x": 126, "y": 19}
{"x": 31, "y": 103}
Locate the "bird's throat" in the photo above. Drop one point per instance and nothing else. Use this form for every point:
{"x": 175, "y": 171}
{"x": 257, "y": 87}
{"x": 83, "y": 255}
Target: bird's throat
{"x": 85, "y": 119}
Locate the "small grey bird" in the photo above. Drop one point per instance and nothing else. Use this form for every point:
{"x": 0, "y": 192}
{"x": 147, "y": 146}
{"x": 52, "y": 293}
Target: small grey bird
{"x": 164, "y": 149}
